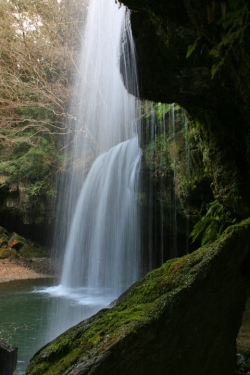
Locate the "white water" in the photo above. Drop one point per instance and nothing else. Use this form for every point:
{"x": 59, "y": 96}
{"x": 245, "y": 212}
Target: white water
{"x": 102, "y": 248}
{"x": 100, "y": 211}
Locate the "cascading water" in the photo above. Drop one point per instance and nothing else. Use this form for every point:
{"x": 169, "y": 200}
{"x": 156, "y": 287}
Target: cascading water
{"x": 165, "y": 178}
{"x": 102, "y": 248}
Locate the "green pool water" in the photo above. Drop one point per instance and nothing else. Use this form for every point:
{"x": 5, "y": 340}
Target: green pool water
{"x": 23, "y": 317}
{"x": 34, "y": 312}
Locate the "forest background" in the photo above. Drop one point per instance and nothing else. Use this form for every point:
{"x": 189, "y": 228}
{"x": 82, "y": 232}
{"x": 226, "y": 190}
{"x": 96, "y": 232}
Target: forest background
{"x": 39, "y": 48}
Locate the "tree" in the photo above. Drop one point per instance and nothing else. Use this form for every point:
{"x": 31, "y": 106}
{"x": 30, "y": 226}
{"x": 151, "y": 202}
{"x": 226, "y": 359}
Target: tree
{"x": 40, "y": 41}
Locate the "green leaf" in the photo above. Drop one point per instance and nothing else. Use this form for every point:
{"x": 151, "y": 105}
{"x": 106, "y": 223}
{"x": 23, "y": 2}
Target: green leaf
{"x": 191, "y": 48}
{"x": 214, "y": 69}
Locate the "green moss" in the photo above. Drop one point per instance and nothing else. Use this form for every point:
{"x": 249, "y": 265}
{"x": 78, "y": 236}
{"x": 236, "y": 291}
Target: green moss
{"x": 3, "y": 231}
{"x": 7, "y": 253}
{"x": 239, "y": 226}
{"x": 28, "y": 252}
{"x": 4, "y": 253}
{"x": 143, "y": 304}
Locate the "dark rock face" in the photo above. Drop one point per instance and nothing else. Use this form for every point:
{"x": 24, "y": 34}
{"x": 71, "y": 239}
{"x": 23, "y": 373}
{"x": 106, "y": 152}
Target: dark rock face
{"x": 27, "y": 216}
{"x": 8, "y": 358}
{"x": 220, "y": 104}
{"x": 182, "y": 318}
{"x": 166, "y": 74}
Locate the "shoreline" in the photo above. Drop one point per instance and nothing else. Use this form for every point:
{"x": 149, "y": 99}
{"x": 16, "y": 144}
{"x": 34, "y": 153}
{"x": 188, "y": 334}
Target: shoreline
{"x": 15, "y": 270}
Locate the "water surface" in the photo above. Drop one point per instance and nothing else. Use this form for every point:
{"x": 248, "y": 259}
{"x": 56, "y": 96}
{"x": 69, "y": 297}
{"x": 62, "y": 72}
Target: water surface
{"x": 29, "y": 307}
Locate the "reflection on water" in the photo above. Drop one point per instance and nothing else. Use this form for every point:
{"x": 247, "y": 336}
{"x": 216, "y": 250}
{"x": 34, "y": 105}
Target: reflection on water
{"x": 26, "y": 318}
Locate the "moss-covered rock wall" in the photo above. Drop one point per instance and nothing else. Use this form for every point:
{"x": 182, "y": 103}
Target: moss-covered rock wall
{"x": 199, "y": 58}
{"x": 182, "y": 318}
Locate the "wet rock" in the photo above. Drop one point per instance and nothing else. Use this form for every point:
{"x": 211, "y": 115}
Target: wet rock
{"x": 8, "y": 358}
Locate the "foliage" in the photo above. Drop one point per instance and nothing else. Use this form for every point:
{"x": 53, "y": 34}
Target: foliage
{"x": 40, "y": 42}
{"x": 192, "y": 48}
{"x": 157, "y": 156}
{"x": 180, "y": 158}
{"x": 34, "y": 165}
{"x": 212, "y": 224}
{"x": 37, "y": 65}
{"x": 167, "y": 153}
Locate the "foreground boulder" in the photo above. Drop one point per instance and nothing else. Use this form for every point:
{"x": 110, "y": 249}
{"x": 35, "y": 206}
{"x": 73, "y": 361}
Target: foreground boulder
{"x": 180, "y": 319}
{"x": 8, "y": 358}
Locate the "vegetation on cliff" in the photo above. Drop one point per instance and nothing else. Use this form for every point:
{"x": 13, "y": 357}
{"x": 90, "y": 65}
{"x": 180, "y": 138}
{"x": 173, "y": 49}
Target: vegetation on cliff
{"x": 200, "y": 60}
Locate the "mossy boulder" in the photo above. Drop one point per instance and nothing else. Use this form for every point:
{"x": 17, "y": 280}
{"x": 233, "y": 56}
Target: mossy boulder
{"x": 3, "y": 239}
{"x": 182, "y": 318}
{"x": 4, "y": 253}
{"x": 16, "y": 241}
{"x": 3, "y": 231}
{"x": 28, "y": 251}
{"x": 12, "y": 245}
{"x": 7, "y": 252}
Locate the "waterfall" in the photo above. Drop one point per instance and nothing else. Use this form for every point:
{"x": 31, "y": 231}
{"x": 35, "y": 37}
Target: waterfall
{"x": 172, "y": 132}
{"x": 165, "y": 177}
{"x": 102, "y": 252}
{"x": 99, "y": 206}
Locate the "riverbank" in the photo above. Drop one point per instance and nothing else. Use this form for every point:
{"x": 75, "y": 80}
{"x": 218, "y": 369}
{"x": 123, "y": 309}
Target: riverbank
{"x": 23, "y": 269}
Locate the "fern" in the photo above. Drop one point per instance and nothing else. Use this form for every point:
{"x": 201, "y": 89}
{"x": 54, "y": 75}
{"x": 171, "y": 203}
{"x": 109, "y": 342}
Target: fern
{"x": 192, "y": 48}
{"x": 210, "y": 227}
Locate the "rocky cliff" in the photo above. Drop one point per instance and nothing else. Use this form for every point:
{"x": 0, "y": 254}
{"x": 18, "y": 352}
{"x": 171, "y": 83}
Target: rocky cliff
{"x": 199, "y": 58}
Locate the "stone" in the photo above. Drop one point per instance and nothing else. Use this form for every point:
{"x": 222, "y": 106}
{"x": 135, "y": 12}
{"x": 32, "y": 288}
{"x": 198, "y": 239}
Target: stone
{"x": 8, "y": 358}
{"x": 4, "y": 253}
{"x": 7, "y": 252}
{"x": 182, "y": 318}
{"x": 3, "y": 231}
{"x": 3, "y": 239}
{"x": 28, "y": 251}
{"x": 16, "y": 241}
